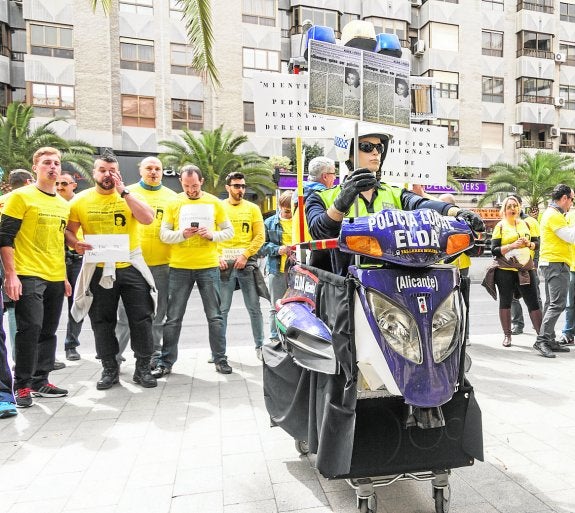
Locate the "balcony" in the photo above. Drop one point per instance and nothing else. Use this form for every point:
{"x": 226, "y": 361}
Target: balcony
{"x": 532, "y": 52}
{"x": 17, "y": 56}
{"x": 567, "y": 148}
{"x": 533, "y": 6}
{"x": 534, "y": 145}
{"x": 530, "y": 98}
{"x": 3, "y": 111}
{"x": 5, "y": 51}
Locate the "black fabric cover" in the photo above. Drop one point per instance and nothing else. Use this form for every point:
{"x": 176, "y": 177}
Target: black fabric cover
{"x": 360, "y": 438}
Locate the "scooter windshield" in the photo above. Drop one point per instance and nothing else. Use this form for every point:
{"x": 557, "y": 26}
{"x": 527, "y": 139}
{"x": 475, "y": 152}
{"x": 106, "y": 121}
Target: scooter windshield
{"x": 416, "y": 238}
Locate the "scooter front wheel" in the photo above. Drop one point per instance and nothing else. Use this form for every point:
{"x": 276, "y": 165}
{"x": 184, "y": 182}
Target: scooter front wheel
{"x": 442, "y": 498}
{"x": 368, "y": 504}
{"x": 302, "y": 447}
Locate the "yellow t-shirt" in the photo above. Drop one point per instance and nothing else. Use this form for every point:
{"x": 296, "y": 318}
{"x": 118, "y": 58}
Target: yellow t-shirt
{"x": 286, "y": 225}
{"x": 509, "y": 233}
{"x": 39, "y": 244}
{"x": 105, "y": 214}
{"x": 463, "y": 261}
{"x": 553, "y": 248}
{"x": 154, "y": 250}
{"x": 249, "y": 233}
{"x": 195, "y": 252}
{"x": 570, "y": 217}
{"x": 534, "y": 229}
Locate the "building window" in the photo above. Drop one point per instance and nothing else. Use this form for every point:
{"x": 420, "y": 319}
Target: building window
{"x": 492, "y": 135}
{"x": 182, "y": 57}
{"x": 260, "y": 12}
{"x": 138, "y": 111}
{"x": 452, "y": 126}
{"x": 136, "y": 54}
{"x": 567, "y": 12}
{"x": 446, "y": 83}
{"x": 176, "y": 9}
{"x": 249, "y": 117}
{"x": 534, "y": 90}
{"x": 285, "y": 22}
{"x": 492, "y": 43}
{"x": 387, "y": 26}
{"x": 51, "y": 99}
{"x": 137, "y": 7}
{"x": 444, "y": 37}
{"x": 6, "y": 98}
{"x": 534, "y": 44}
{"x": 567, "y": 92}
{"x": 492, "y": 89}
{"x": 317, "y": 17}
{"x": 51, "y": 40}
{"x": 187, "y": 114}
{"x": 536, "y": 5}
{"x": 568, "y": 49}
{"x": 493, "y": 5}
{"x": 567, "y": 143}
{"x": 5, "y": 48}
{"x": 258, "y": 59}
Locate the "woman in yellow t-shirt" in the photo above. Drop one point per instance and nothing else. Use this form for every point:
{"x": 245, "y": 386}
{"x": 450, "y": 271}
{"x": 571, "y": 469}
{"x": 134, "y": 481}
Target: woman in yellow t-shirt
{"x": 511, "y": 246}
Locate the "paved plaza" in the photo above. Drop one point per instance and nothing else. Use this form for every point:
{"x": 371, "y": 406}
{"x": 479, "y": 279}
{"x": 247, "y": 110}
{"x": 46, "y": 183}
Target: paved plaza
{"x": 201, "y": 441}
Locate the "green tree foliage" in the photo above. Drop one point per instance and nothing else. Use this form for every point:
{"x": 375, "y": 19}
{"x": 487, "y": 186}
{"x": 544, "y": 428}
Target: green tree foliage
{"x": 215, "y": 152}
{"x": 18, "y": 142}
{"x": 310, "y": 151}
{"x": 533, "y": 178}
{"x": 197, "y": 15}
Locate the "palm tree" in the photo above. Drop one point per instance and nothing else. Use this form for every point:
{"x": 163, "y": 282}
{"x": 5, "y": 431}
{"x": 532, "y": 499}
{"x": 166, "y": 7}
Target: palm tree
{"x": 197, "y": 15}
{"x": 215, "y": 153}
{"x": 18, "y": 142}
{"x": 533, "y": 179}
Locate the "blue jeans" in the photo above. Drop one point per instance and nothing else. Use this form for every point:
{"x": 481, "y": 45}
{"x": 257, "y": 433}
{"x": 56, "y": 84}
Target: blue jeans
{"x": 161, "y": 274}
{"x": 569, "y": 328}
{"x": 556, "y": 276}
{"x": 73, "y": 328}
{"x": 181, "y": 283}
{"x": 6, "y": 394}
{"x": 247, "y": 284}
{"x": 278, "y": 285}
{"x": 131, "y": 286}
{"x": 37, "y": 315}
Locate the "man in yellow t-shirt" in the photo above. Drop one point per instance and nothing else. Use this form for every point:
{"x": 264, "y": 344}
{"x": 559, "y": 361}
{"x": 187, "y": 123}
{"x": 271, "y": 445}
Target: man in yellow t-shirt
{"x": 156, "y": 253}
{"x": 238, "y": 255}
{"x": 554, "y": 263}
{"x": 32, "y": 247}
{"x": 96, "y": 211}
{"x": 567, "y": 337}
{"x": 194, "y": 223}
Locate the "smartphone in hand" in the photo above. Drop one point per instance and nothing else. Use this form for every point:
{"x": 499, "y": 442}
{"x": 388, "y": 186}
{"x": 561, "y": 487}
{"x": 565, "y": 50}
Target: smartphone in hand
{"x": 194, "y": 224}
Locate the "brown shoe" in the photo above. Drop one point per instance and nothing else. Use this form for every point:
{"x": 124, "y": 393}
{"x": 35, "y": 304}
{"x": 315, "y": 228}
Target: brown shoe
{"x": 507, "y": 341}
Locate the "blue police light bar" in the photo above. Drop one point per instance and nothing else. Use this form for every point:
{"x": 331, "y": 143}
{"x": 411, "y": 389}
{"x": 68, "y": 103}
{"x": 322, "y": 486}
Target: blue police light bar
{"x": 388, "y": 44}
{"x": 319, "y": 33}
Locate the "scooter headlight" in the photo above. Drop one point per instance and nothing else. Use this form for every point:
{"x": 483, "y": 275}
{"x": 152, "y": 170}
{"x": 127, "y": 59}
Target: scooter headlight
{"x": 397, "y": 326}
{"x": 444, "y": 328}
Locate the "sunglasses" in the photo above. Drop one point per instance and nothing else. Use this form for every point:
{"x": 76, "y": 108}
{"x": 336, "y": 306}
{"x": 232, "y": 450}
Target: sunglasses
{"x": 367, "y": 147}
{"x": 238, "y": 185}
{"x": 64, "y": 184}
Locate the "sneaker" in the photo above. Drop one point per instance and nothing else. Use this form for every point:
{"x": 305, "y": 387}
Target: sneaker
{"x": 72, "y": 354}
{"x": 58, "y": 365}
{"x": 543, "y": 349}
{"x": 49, "y": 390}
{"x": 7, "y": 409}
{"x": 223, "y": 367}
{"x": 23, "y": 398}
{"x": 259, "y": 354}
{"x": 516, "y": 330}
{"x": 558, "y": 348}
{"x": 566, "y": 340}
{"x": 160, "y": 371}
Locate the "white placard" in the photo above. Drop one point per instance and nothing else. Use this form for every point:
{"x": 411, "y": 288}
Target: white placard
{"x": 418, "y": 155}
{"x": 232, "y": 253}
{"x": 281, "y": 108}
{"x": 202, "y": 214}
{"x": 108, "y": 248}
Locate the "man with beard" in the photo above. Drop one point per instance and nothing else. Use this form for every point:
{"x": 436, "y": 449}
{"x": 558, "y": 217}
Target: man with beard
{"x": 194, "y": 223}
{"x": 32, "y": 249}
{"x": 156, "y": 253}
{"x": 102, "y": 285}
{"x": 238, "y": 255}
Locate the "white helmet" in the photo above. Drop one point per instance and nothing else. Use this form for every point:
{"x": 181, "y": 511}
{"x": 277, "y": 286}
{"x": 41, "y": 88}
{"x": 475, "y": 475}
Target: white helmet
{"x": 343, "y": 141}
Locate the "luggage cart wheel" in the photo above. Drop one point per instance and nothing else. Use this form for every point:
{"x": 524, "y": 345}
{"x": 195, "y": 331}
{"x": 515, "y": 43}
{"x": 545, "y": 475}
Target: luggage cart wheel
{"x": 442, "y": 498}
{"x": 367, "y": 504}
{"x": 302, "y": 447}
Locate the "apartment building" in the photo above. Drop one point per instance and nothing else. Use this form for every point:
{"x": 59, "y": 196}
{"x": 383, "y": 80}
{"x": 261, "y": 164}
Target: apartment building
{"x": 504, "y": 69}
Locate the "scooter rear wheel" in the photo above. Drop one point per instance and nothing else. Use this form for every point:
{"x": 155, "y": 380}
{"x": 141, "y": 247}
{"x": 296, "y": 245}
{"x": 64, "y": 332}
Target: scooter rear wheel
{"x": 302, "y": 447}
{"x": 442, "y": 498}
{"x": 368, "y": 504}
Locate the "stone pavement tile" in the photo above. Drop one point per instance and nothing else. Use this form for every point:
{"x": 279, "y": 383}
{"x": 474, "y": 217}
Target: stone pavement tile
{"x": 89, "y": 428}
{"x": 247, "y": 487}
{"x": 203, "y": 431}
{"x": 522, "y": 442}
{"x": 267, "y": 506}
{"x": 76, "y": 457}
{"x": 330, "y": 485}
{"x": 241, "y": 444}
{"x": 240, "y": 427}
{"x": 142, "y": 476}
{"x": 299, "y": 495}
{"x": 97, "y": 509}
{"x": 198, "y": 502}
{"x": 200, "y": 480}
{"x": 276, "y": 449}
{"x": 164, "y": 420}
{"x": 51, "y": 486}
{"x": 233, "y": 390}
{"x": 235, "y": 409}
{"x": 516, "y": 498}
{"x": 9, "y": 497}
{"x": 561, "y": 501}
{"x": 48, "y": 505}
{"x": 554, "y": 461}
{"x": 538, "y": 480}
{"x": 502, "y": 456}
{"x": 246, "y": 463}
{"x": 96, "y": 493}
{"x": 290, "y": 470}
{"x": 64, "y": 423}
{"x": 198, "y": 457}
{"x": 7, "y": 449}
{"x": 152, "y": 499}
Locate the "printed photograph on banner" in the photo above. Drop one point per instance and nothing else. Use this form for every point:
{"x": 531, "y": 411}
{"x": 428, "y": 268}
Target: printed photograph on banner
{"x": 418, "y": 154}
{"x": 423, "y": 98}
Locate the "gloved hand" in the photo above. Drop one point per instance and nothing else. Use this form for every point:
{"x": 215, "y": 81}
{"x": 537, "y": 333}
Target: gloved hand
{"x": 358, "y": 181}
{"x": 472, "y": 219}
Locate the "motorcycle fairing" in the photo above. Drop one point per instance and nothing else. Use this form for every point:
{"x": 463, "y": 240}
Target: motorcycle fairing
{"x": 428, "y": 383}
